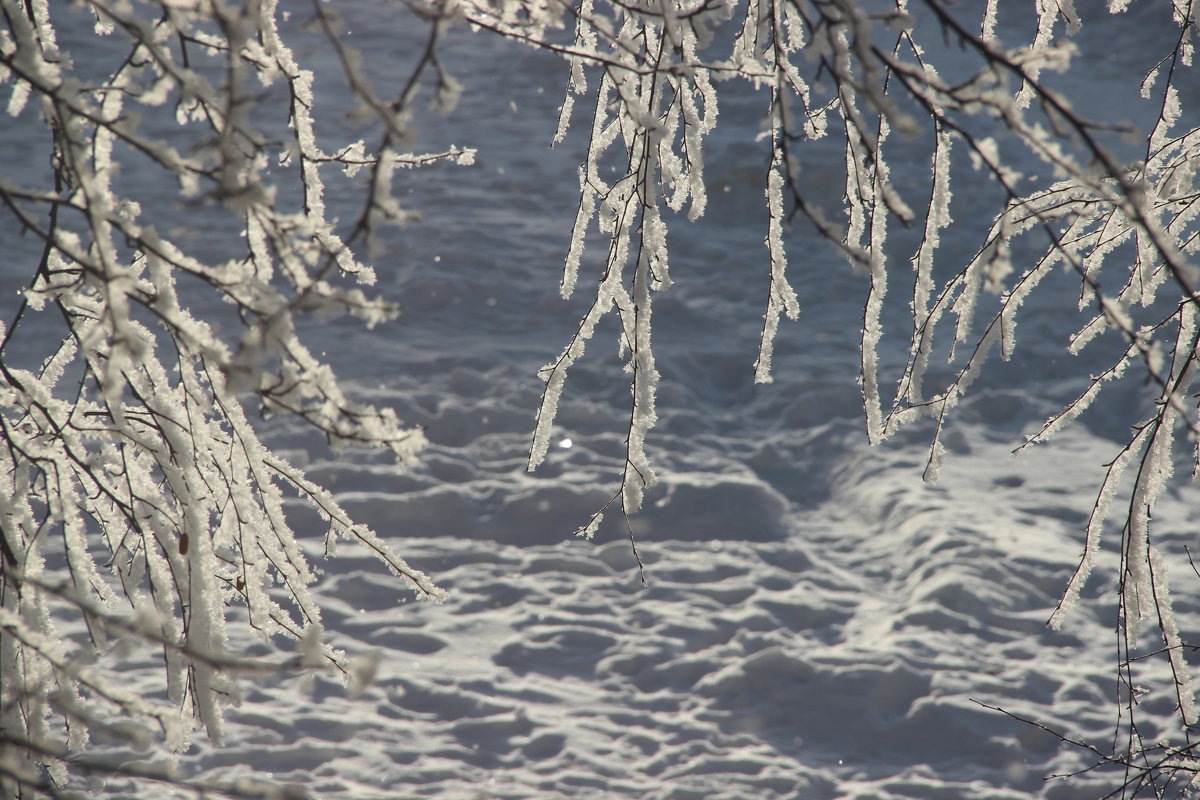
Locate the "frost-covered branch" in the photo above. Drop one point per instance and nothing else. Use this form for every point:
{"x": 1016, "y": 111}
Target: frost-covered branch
{"x": 914, "y": 77}
{"x": 137, "y": 496}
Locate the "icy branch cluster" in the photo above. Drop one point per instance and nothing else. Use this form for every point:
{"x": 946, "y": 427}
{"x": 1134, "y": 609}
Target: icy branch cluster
{"x": 133, "y": 489}
{"x": 887, "y": 78}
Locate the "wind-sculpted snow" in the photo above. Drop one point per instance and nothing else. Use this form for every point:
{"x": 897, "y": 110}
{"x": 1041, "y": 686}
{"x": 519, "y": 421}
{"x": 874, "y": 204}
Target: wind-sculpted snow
{"x": 835, "y": 638}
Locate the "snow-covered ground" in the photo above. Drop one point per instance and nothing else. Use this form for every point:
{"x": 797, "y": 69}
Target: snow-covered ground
{"x": 815, "y": 621}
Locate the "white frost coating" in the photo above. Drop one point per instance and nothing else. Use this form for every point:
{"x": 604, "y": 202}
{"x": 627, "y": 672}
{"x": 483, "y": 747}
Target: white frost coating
{"x": 1185, "y": 690}
{"x": 18, "y": 98}
{"x": 564, "y": 119}
{"x": 697, "y": 125}
{"x": 645, "y": 383}
{"x": 587, "y": 209}
{"x": 1079, "y": 340}
{"x": 987, "y": 28}
{"x": 588, "y": 531}
{"x": 1012, "y": 302}
{"x": 654, "y": 248}
{"x": 1066, "y": 8}
{"x": 1080, "y": 404}
{"x": 872, "y": 327}
{"x": 1169, "y": 116}
{"x": 937, "y": 218}
{"x": 345, "y": 527}
{"x": 1042, "y": 45}
{"x": 1148, "y": 82}
{"x": 933, "y": 466}
{"x": 782, "y": 298}
{"x": 1140, "y": 582}
{"x": 152, "y": 480}
{"x": 555, "y": 373}
{"x": 1095, "y": 525}
{"x": 653, "y": 123}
